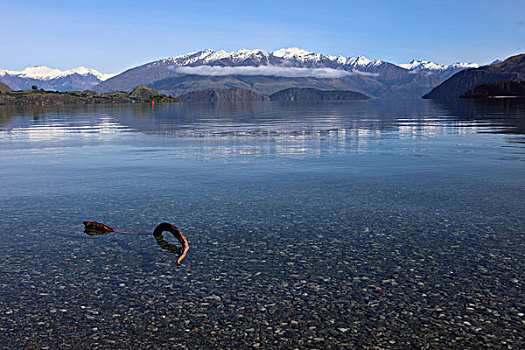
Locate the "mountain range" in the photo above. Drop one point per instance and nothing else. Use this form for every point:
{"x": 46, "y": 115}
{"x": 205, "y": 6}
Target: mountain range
{"x": 256, "y": 70}
{"x": 267, "y": 73}
{"x": 46, "y": 78}
{"x": 424, "y": 66}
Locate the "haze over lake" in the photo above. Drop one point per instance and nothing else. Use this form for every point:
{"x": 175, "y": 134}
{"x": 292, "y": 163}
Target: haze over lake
{"x": 381, "y": 223}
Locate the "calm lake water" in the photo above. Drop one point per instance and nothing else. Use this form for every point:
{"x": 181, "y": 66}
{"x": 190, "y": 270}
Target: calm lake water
{"x": 369, "y": 224}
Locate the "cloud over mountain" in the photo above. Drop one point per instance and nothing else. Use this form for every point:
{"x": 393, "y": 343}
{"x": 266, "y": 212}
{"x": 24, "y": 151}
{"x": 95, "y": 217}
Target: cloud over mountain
{"x": 279, "y": 71}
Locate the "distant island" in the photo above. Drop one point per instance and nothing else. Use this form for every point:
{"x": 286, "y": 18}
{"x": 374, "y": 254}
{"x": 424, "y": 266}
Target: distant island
{"x": 512, "y": 69}
{"x": 502, "y": 89}
{"x": 291, "y": 95}
{"x": 309, "y": 94}
{"x": 223, "y": 95}
{"x": 38, "y": 97}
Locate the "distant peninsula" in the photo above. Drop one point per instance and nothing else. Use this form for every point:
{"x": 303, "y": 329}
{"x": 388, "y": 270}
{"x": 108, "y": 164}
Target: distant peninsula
{"x": 309, "y": 95}
{"x": 291, "y": 95}
{"x": 38, "y": 97}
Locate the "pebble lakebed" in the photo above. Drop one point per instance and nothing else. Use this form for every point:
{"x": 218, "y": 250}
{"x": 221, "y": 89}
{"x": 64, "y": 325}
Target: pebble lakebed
{"x": 313, "y": 278}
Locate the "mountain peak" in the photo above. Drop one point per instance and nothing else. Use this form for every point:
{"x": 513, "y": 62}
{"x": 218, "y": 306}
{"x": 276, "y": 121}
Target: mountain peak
{"x": 362, "y": 61}
{"x": 245, "y": 53}
{"x": 425, "y": 65}
{"x": 48, "y": 73}
{"x": 464, "y": 65}
{"x": 289, "y": 52}
{"x": 39, "y": 72}
{"x": 250, "y": 52}
{"x": 422, "y": 64}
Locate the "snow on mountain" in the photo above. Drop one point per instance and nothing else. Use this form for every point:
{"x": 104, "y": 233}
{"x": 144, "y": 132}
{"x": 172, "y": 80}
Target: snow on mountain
{"x": 296, "y": 57}
{"x": 80, "y": 78}
{"x": 424, "y": 65}
{"x": 361, "y": 61}
{"x": 461, "y": 65}
{"x": 36, "y": 72}
{"x": 211, "y": 57}
{"x": 285, "y": 57}
{"x": 47, "y": 73}
{"x": 299, "y": 58}
{"x": 291, "y": 52}
{"x": 86, "y": 71}
{"x": 305, "y": 56}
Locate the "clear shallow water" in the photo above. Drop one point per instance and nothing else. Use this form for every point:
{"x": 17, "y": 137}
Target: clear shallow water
{"x": 379, "y": 223}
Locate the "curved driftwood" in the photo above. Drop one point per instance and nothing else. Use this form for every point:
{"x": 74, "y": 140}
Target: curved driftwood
{"x": 177, "y": 234}
{"x": 168, "y": 247}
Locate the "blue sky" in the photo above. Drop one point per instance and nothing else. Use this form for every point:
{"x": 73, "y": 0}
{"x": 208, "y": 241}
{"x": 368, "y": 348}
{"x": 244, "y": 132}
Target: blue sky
{"x": 112, "y": 36}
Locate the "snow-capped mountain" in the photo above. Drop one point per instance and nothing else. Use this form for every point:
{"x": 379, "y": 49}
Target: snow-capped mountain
{"x": 416, "y": 65}
{"x": 287, "y": 57}
{"x": 429, "y": 67}
{"x": 266, "y": 72}
{"x": 301, "y": 56}
{"x": 47, "y": 73}
{"x": 80, "y": 78}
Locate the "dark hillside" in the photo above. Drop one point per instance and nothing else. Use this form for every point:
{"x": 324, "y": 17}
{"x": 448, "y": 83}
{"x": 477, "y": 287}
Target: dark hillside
{"x": 512, "y": 68}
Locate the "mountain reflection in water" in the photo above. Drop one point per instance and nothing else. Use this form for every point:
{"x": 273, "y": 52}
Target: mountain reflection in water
{"x": 269, "y": 127}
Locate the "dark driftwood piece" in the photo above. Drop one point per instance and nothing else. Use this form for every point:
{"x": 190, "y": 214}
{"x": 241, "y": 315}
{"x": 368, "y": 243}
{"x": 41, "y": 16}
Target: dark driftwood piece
{"x": 94, "y": 228}
{"x": 176, "y": 233}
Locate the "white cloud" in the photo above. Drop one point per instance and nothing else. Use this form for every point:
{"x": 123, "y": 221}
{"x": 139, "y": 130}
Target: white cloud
{"x": 365, "y": 73}
{"x": 290, "y": 72}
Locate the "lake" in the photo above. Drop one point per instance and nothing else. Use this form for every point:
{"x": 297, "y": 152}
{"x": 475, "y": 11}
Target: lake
{"x": 366, "y": 224}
